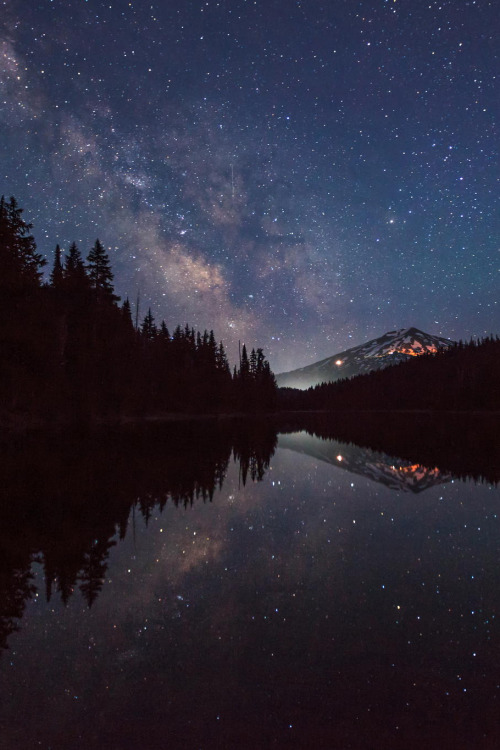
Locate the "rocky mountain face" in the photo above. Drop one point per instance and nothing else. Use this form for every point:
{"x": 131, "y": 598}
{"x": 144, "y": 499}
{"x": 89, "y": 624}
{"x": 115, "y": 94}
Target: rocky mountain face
{"x": 389, "y": 349}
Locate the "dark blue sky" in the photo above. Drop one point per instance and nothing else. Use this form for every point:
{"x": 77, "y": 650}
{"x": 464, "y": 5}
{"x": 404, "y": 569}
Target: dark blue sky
{"x": 302, "y": 176}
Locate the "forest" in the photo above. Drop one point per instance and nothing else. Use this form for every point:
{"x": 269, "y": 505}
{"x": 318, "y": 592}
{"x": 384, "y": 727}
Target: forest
{"x": 465, "y": 377}
{"x": 71, "y": 354}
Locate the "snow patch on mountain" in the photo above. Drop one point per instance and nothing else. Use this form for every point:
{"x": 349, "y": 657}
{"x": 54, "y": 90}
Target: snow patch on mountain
{"x": 391, "y": 348}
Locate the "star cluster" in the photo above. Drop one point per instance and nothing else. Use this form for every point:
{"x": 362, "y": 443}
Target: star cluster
{"x": 298, "y": 175}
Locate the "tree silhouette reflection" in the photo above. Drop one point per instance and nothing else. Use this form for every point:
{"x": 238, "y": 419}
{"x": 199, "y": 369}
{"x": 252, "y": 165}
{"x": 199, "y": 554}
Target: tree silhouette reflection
{"x": 65, "y": 500}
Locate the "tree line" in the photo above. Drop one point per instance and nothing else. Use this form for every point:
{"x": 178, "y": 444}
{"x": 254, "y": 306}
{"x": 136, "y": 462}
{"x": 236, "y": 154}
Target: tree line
{"x": 465, "y": 377}
{"x": 71, "y": 352}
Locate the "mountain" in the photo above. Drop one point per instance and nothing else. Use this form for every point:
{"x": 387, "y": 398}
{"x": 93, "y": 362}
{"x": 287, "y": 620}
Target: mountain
{"x": 395, "y": 473}
{"x": 390, "y": 349}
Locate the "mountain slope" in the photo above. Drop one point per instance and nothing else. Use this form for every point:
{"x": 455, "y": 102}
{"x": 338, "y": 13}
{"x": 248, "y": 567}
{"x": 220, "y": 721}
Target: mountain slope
{"x": 395, "y": 473}
{"x": 389, "y": 349}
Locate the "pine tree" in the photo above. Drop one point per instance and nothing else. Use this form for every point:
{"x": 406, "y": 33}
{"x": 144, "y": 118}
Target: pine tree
{"x": 100, "y": 274}
{"x": 221, "y": 359}
{"x": 20, "y": 263}
{"x": 260, "y": 362}
{"x": 212, "y": 349}
{"x": 148, "y": 327}
{"x": 94, "y": 570}
{"x": 75, "y": 276}
{"x": 164, "y": 332}
{"x": 127, "y": 313}
{"x": 253, "y": 363}
{"x": 26, "y": 342}
{"x": 245, "y": 365}
{"x": 57, "y": 274}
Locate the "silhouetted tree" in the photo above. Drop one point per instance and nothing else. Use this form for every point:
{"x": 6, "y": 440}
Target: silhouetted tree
{"x": 164, "y": 333}
{"x": 57, "y": 274}
{"x": 21, "y": 265}
{"x": 148, "y": 327}
{"x": 99, "y": 272}
{"x": 94, "y": 569}
{"x": 254, "y": 384}
{"x": 127, "y": 313}
{"x": 68, "y": 350}
{"x": 253, "y": 363}
{"x": 75, "y": 276}
{"x": 244, "y": 365}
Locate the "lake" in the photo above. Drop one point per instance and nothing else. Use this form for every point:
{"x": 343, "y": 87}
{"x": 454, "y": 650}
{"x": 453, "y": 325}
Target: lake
{"x": 201, "y": 588}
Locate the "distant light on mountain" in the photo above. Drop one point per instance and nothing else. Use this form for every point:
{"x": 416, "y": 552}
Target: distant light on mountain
{"x": 396, "y": 473}
{"x": 391, "y": 348}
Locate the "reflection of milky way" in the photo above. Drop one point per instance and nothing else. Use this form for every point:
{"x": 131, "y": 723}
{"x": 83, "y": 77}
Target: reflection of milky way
{"x": 310, "y": 599}
{"x": 299, "y": 176}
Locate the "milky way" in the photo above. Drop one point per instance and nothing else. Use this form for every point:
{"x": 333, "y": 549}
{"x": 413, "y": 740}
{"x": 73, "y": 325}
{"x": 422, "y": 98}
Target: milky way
{"x": 302, "y": 176}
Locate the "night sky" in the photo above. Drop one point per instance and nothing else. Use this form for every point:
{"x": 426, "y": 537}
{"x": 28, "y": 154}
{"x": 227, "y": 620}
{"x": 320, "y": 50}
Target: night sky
{"x": 299, "y": 175}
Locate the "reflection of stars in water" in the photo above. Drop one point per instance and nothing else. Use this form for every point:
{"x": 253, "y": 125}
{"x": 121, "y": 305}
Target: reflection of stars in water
{"x": 257, "y": 598}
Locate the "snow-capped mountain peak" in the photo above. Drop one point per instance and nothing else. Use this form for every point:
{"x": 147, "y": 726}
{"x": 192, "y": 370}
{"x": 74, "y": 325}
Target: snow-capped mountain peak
{"x": 390, "y": 348}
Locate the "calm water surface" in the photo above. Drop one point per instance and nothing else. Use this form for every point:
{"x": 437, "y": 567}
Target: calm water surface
{"x": 346, "y": 600}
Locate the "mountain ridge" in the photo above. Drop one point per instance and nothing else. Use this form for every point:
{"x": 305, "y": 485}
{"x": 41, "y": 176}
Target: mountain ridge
{"x": 395, "y": 473}
{"x": 391, "y": 348}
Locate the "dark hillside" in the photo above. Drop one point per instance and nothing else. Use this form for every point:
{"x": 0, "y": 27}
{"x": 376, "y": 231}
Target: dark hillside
{"x": 465, "y": 377}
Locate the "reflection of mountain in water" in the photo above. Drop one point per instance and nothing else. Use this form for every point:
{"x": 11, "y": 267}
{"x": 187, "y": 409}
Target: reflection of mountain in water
{"x": 395, "y": 473}
{"x": 465, "y": 445}
{"x": 65, "y": 500}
